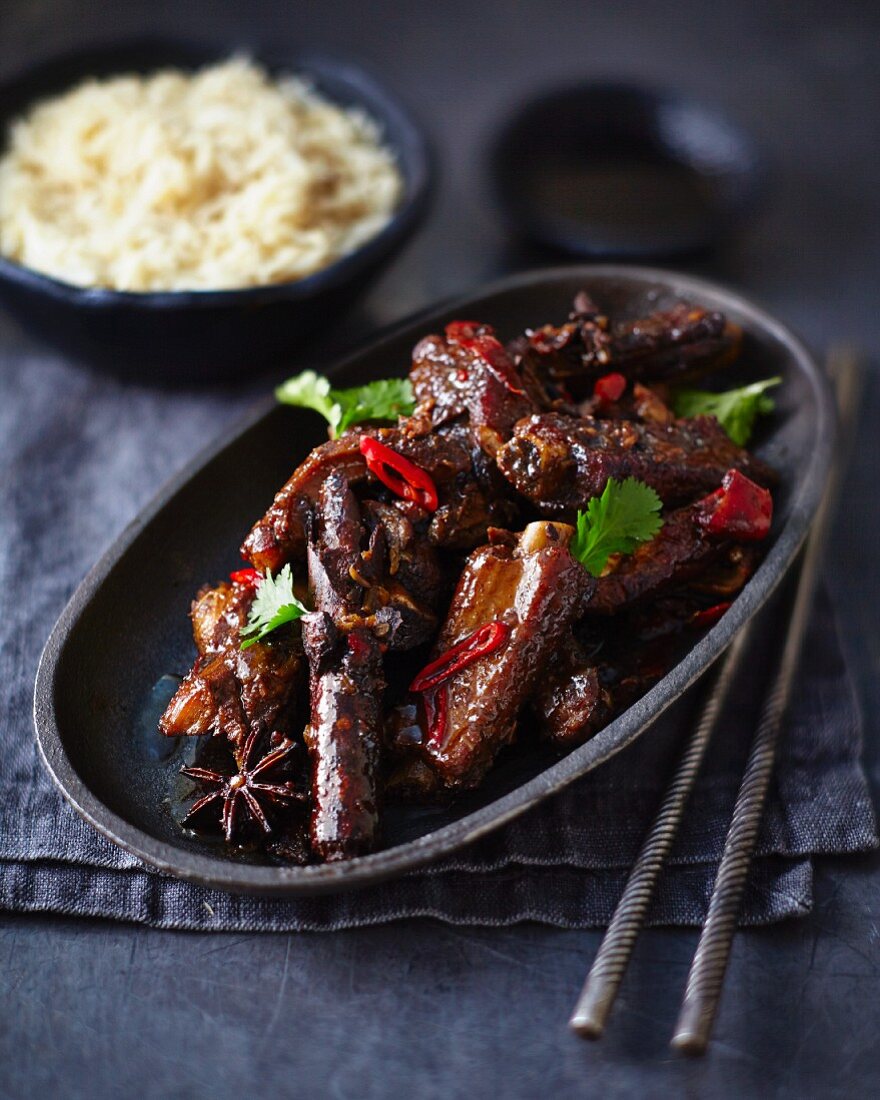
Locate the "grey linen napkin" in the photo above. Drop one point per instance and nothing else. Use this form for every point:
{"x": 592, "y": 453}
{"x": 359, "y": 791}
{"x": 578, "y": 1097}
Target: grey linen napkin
{"x": 79, "y": 456}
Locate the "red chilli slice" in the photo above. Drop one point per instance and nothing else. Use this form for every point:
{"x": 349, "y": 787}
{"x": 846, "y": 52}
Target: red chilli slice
{"x": 401, "y": 476}
{"x": 434, "y": 675}
{"x": 246, "y": 576}
{"x": 436, "y": 705}
{"x": 609, "y": 388}
{"x": 702, "y": 619}
{"x": 482, "y": 341}
{"x": 739, "y": 510}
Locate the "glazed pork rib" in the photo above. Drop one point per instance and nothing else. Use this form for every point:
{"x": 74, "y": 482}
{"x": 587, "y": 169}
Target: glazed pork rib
{"x": 695, "y": 554}
{"x": 513, "y": 605}
{"x": 571, "y": 703}
{"x": 561, "y": 462}
{"x": 470, "y": 491}
{"x": 677, "y": 344}
{"x": 346, "y": 682}
{"x": 343, "y": 736}
{"x": 467, "y": 373}
{"x": 229, "y": 691}
{"x": 363, "y": 562}
{"x": 683, "y": 549}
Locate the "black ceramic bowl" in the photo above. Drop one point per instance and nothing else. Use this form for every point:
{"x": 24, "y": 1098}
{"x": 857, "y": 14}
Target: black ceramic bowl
{"x": 205, "y": 335}
{"x": 621, "y": 171}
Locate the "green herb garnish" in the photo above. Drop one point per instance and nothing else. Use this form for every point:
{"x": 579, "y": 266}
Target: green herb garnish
{"x": 627, "y": 513}
{"x": 383, "y": 400}
{"x": 274, "y": 605}
{"x": 735, "y": 410}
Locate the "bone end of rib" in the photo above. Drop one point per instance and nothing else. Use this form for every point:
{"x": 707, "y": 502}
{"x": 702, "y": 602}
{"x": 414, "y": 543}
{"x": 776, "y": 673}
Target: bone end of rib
{"x": 543, "y": 534}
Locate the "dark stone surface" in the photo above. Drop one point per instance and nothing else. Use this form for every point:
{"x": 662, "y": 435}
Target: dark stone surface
{"x": 92, "y": 1009}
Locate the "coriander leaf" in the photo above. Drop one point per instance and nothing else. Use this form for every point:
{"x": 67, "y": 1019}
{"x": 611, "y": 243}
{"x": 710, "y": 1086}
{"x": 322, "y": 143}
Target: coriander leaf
{"x": 274, "y": 605}
{"x": 385, "y": 399}
{"x": 627, "y": 513}
{"x": 311, "y": 391}
{"x": 735, "y": 410}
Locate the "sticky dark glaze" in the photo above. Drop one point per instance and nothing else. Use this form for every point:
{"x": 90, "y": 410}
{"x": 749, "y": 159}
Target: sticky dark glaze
{"x": 230, "y": 691}
{"x": 536, "y": 588}
{"x": 343, "y": 737}
{"x": 281, "y": 535}
{"x": 475, "y": 577}
{"x": 671, "y": 345}
{"x": 680, "y": 550}
{"x": 560, "y": 462}
{"x": 346, "y": 682}
{"x": 571, "y": 703}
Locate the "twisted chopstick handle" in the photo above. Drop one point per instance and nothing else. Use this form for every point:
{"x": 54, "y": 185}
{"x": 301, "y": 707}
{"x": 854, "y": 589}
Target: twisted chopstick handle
{"x": 612, "y": 959}
{"x": 707, "y": 971}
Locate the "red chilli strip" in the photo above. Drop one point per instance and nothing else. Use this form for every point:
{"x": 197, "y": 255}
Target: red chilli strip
{"x": 710, "y": 616}
{"x": 739, "y": 510}
{"x": 483, "y": 641}
{"x": 400, "y": 475}
{"x": 436, "y": 706}
{"x": 482, "y": 340}
{"x": 246, "y": 576}
{"x": 609, "y": 388}
{"x": 431, "y": 681}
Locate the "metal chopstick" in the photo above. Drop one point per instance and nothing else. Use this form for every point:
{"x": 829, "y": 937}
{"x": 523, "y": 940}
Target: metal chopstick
{"x": 612, "y": 959}
{"x": 707, "y": 971}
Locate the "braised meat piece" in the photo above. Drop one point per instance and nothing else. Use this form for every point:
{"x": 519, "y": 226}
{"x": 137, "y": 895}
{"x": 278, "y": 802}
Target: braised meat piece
{"x": 560, "y": 462}
{"x": 468, "y": 371}
{"x": 477, "y": 498}
{"x": 614, "y": 399}
{"x": 401, "y": 551}
{"x": 470, "y": 495}
{"x": 346, "y": 682}
{"x": 367, "y": 571}
{"x": 511, "y": 609}
{"x": 679, "y": 551}
{"x": 439, "y": 381}
{"x": 571, "y": 703}
{"x": 496, "y": 394}
{"x": 683, "y": 548}
{"x": 670, "y": 345}
{"x": 556, "y": 353}
{"x": 280, "y": 536}
{"x": 343, "y": 736}
{"x": 675, "y": 344}
{"x": 581, "y": 692}
{"x": 230, "y": 691}
{"x": 600, "y": 672}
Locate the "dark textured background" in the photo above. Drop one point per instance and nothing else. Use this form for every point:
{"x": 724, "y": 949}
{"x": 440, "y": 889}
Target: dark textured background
{"x": 91, "y": 1009}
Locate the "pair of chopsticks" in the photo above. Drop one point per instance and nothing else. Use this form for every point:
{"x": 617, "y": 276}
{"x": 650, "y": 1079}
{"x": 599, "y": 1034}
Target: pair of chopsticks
{"x": 706, "y": 977}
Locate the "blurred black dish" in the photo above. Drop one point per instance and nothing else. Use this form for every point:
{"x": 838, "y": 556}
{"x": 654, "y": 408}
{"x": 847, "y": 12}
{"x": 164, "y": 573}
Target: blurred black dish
{"x": 620, "y": 171}
{"x": 208, "y": 335}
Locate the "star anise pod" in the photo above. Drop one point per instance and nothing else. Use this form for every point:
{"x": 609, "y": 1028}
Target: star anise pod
{"x": 248, "y": 788}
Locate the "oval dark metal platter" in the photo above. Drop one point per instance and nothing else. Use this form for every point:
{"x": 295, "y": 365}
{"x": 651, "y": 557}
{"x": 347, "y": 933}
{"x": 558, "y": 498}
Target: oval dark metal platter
{"x": 101, "y": 663}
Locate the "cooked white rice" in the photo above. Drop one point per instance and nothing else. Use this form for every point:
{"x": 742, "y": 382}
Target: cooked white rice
{"x": 203, "y": 181}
